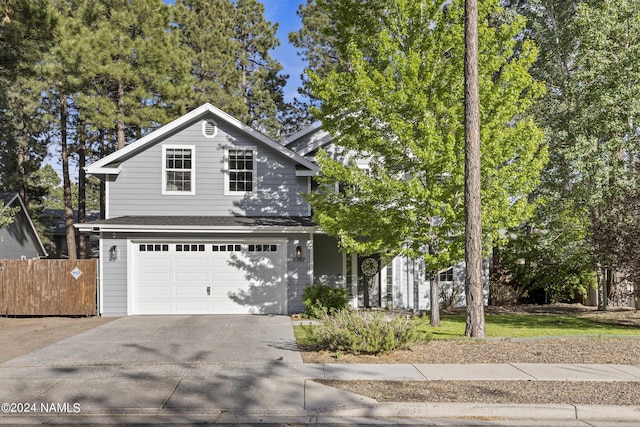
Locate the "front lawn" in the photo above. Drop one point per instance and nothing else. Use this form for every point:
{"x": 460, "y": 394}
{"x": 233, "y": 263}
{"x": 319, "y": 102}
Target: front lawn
{"x": 526, "y": 326}
{"x": 519, "y": 325}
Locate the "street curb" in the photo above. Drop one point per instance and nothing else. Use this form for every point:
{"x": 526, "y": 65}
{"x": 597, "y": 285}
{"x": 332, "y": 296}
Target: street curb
{"x": 380, "y": 412}
{"x": 502, "y": 411}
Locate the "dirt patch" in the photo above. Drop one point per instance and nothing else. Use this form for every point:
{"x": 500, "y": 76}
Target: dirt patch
{"x": 23, "y": 335}
{"x": 624, "y": 350}
{"x": 496, "y": 392}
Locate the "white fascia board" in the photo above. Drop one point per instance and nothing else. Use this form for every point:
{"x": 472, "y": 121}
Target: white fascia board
{"x": 189, "y": 229}
{"x": 315, "y": 144}
{"x": 306, "y": 173}
{"x": 103, "y": 170}
{"x": 193, "y": 115}
{"x": 302, "y": 132}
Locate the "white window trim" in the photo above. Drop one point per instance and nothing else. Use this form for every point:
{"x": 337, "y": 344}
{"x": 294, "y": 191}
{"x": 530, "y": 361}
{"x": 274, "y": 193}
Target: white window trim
{"x": 228, "y": 192}
{"x": 204, "y": 128}
{"x": 193, "y": 170}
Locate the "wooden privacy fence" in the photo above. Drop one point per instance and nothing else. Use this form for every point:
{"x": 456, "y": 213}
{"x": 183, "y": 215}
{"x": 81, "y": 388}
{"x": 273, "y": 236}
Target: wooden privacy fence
{"x": 48, "y": 287}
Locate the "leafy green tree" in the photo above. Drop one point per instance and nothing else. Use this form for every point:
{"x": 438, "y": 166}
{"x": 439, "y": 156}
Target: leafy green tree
{"x": 7, "y": 214}
{"x": 398, "y": 109}
{"x": 545, "y": 258}
{"x": 590, "y": 115}
{"x": 607, "y": 142}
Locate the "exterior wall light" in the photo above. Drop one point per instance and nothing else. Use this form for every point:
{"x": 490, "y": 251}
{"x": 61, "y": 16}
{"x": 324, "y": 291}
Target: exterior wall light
{"x": 113, "y": 253}
{"x": 298, "y": 252}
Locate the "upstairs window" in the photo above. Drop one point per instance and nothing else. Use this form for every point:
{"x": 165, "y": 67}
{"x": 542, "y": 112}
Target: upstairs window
{"x": 447, "y": 275}
{"x": 240, "y": 177}
{"x": 178, "y": 174}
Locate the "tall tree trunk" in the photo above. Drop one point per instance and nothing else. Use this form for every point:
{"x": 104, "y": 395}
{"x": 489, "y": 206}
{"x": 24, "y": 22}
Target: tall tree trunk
{"x": 120, "y": 120}
{"x": 82, "y": 212}
{"x": 475, "y": 326}
{"x": 434, "y": 316}
{"x": 102, "y": 153}
{"x": 21, "y": 155}
{"x": 66, "y": 181}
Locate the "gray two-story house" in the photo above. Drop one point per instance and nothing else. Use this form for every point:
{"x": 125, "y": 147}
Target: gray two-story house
{"x": 207, "y": 215}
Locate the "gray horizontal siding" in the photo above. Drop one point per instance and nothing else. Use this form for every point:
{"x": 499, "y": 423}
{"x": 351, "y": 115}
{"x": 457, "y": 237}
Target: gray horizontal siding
{"x": 298, "y": 273}
{"x": 137, "y": 190}
{"x": 17, "y": 239}
{"x": 114, "y": 279}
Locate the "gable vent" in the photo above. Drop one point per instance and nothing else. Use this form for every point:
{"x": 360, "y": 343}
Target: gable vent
{"x": 209, "y": 128}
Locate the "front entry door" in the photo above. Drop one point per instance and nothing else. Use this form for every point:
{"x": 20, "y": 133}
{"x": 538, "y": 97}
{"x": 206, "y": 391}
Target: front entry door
{"x": 369, "y": 294}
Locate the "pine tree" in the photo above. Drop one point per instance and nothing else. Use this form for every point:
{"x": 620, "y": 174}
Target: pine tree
{"x": 26, "y": 35}
{"x": 206, "y": 28}
{"x": 472, "y": 204}
{"x": 230, "y": 44}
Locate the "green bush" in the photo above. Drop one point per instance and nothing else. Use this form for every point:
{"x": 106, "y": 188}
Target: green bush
{"x": 318, "y": 299}
{"x": 363, "y": 332}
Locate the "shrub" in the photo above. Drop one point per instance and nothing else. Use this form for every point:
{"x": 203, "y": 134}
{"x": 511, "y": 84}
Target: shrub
{"x": 321, "y": 298}
{"x": 363, "y": 332}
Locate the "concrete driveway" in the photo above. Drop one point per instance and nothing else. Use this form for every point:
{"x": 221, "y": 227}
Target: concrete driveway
{"x": 173, "y": 339}
{"x": 159, "y": 364}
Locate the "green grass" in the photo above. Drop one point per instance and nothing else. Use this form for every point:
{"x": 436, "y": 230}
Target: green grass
{"x": 526, "y": 326}
{"x": 511, "y": 326}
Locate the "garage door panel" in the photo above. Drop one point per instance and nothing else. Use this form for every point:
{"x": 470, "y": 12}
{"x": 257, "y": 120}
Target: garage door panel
{"x": 150, "y": 306}
{"x": 153, "y": 263}
{"x": 191, "y": 276}
{"x": 191, "y": 291}
{"x": 191, "y": 263}
{"x": 240, "y": 279}
{"x": 191, "y": 306}
{"x": 153, "y": 291}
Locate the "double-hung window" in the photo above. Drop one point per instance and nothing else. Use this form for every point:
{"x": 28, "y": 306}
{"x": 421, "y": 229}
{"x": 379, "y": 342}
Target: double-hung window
{"x": 446, "y": 275}
{"x": 178, "y": 170}
{"x": 240, "y": 176}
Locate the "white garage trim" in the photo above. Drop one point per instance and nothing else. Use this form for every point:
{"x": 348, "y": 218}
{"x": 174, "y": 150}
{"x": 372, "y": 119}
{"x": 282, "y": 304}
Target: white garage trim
{"x": 207, "y": 276}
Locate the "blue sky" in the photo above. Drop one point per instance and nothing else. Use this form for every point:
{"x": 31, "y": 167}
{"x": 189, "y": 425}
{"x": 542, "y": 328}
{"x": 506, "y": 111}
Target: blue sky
{"x": 284, "y": 12}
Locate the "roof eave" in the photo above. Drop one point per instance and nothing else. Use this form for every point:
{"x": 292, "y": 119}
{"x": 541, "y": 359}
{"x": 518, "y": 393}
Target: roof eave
{"x": 101, "y": 167}
{"x": 176, "y": 229}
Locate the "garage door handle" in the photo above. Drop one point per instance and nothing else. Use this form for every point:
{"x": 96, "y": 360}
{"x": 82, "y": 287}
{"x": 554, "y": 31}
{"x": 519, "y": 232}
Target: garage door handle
{"x": 208, "y": 290}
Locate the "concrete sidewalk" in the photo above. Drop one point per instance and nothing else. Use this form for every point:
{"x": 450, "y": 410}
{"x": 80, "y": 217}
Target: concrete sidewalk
{"x": 280, "y": 390}
{"x": 176, "y": 370}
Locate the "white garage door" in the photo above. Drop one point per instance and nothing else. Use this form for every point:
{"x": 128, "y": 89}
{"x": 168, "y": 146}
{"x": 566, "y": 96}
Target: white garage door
{"x": 201, "y": 278}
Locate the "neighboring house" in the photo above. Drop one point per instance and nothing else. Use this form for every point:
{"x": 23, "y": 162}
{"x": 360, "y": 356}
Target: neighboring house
{"x": 207, "y": 215}
{"x": 19, "y": 240}
{"x": 54, "y": 221}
